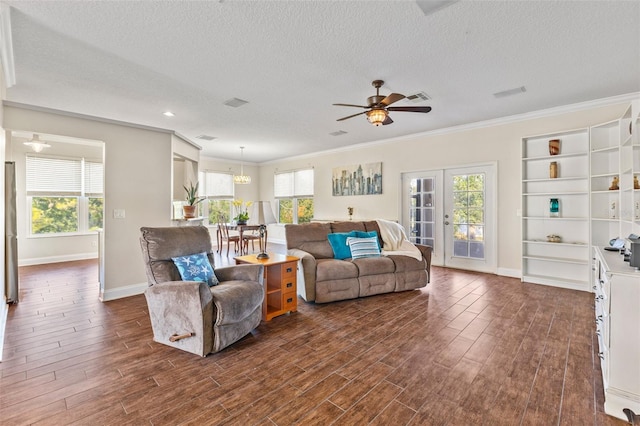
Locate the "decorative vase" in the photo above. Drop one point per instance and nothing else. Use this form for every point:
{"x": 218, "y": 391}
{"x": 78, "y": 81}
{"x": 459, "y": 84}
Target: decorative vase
{"x": 189, "y": 212}
{"x": 553, "y": 170}
{"x": 554, "y": 147}
{"x": 241, "y": 222}
{"x": 554, "y": 207}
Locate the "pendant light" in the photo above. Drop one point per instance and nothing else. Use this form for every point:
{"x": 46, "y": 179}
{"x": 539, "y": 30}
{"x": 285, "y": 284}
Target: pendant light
{"x": 36, "y": 144}
{"x": 241, "y": 179}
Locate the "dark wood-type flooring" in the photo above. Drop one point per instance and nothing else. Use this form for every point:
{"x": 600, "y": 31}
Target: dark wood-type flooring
{"x": 469, "y": 349}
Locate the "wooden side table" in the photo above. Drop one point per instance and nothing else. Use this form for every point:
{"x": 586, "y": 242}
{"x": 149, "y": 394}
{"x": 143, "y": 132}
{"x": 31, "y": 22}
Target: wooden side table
{"x": 280, "y": 273}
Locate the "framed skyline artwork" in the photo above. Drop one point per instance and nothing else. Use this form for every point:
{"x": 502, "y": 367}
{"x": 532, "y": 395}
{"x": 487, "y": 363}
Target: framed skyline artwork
{"x": 359, "y": 179}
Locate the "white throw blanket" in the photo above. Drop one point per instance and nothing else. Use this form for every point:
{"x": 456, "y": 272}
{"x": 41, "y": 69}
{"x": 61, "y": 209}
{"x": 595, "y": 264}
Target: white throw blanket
{"x": 395, "y": 240}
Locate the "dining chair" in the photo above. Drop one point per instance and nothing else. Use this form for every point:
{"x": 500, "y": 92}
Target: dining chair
{"x": 225, "y": 235}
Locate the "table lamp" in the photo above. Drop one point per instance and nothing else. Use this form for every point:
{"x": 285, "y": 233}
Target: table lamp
{"x": 263, "y": 215}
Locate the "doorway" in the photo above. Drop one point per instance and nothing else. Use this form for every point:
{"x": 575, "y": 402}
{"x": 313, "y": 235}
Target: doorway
{"x": 454, "y": 211}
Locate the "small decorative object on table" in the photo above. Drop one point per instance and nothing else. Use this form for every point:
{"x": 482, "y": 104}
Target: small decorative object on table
{"x": 350, "y": 211}
{"x": 613, "y": 210}
{"x": 554, "y": 147}
{"x": 553, "y": 170}
{"x": 615, "y": 184}
{"x": 554, "y": 238}
{"x": 192, "y": 200}
{"x": 263, "y": 243}
{"x": 242, "y": 209}
{"x": 554, "y": 207}
{"x": 636, "y": 184}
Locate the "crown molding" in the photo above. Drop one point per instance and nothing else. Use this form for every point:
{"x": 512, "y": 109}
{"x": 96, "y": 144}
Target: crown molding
{"x": 549, "y": 112}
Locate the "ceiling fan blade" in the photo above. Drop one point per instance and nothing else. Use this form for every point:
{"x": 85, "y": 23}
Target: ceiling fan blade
{"x": 394, "y": 97}
{"x": 387, "y": 120}
{"x": 351, "y": 105}
{"x": 410, "y": 109}
{"x": 351, "y": 116}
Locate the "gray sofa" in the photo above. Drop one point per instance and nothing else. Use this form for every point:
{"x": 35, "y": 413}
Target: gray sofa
{"x": 190, "y": 315}
{"x": 321, "y": 278}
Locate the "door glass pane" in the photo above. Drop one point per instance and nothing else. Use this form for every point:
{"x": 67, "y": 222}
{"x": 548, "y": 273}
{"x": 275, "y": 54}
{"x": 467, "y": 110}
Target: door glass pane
{"x": 421, "y": 211}
{"x": 468, "y": 216}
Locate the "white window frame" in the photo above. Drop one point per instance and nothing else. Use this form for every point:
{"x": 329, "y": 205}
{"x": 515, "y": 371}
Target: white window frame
{"x": 294, "y": 185}
{"x": 82, "y": 188}
{"x": 208, "y": 189}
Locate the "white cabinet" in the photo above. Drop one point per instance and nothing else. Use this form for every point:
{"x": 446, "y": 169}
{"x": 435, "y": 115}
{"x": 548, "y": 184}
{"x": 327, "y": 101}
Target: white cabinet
{"x": 617, "y": 316}
{"x": 545, "y": 260}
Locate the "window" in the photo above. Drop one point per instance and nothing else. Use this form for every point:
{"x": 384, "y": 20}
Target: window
{"x": 66, "y": 195}
{"x": 294, "y": 193}
{"x": 218, "y": 188}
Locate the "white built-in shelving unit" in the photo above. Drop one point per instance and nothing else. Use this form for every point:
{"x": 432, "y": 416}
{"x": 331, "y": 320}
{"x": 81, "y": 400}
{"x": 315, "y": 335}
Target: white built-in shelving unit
{"x": 564, "y": 263}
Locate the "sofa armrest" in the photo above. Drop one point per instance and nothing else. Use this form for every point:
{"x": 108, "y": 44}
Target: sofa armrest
{"x": 244, "y": 272}
{"x": 426, "y": 253}
{"x": 306, "y": 274}
{"x": 182, "y": 308}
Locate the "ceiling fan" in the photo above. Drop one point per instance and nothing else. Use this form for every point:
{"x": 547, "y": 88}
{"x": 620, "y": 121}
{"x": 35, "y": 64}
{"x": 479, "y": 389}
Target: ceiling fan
{"x": 379, "y": 108}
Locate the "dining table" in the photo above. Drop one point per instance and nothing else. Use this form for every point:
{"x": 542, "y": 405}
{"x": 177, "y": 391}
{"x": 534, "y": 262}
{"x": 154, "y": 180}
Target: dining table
{"x": 241, "y": 229}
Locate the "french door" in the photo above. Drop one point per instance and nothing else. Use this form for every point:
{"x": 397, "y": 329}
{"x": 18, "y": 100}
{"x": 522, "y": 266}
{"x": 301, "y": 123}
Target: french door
{"x": 453, "y": 210}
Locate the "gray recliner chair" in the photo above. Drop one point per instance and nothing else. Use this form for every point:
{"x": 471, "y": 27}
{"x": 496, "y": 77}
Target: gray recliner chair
{"x": 190, "y": 315}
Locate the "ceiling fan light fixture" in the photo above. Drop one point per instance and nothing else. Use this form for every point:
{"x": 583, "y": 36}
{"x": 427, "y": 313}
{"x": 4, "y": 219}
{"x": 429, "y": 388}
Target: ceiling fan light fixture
{"x": 241, "y": 179}
{"x": 36, "y": 144}
{"x": 377, "y": 116}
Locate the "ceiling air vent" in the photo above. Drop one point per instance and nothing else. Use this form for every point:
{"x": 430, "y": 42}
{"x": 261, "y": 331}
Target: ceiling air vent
{"x": 338, "y": 133}
{"x": 510, "y": 92}
{"x": 418, "y": 97}
{"x": 206, "y": 137}
{"x": 235, "y": 102}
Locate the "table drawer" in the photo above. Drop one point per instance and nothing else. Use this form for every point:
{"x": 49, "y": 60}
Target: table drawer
{"x": 290, "y": 301}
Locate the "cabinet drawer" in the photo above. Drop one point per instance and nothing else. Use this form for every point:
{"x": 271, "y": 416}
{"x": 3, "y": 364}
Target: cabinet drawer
{"x": 288, "y": 270}
{"x": 289, "y": 301}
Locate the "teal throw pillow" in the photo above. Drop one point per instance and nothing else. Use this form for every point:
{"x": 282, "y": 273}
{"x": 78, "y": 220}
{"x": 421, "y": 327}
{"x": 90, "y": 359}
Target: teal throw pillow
{"x": 363, "y": 247}
{"x": 196, "y": 267}
{"x": 338, "y": 241}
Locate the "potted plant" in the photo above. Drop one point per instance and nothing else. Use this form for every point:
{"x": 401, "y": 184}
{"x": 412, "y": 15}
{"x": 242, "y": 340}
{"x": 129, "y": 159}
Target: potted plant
{"x": 192, "y": 200}
{"x": 242, "y": 209}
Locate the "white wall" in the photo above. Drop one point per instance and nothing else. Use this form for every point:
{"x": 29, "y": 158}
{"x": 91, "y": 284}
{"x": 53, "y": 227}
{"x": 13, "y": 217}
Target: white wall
{"x": 498, "y": 142}
{"x": 138, "y": 163}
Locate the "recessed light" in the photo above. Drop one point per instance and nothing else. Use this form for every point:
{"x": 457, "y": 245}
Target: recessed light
{"x": 235, "y": 102}
{"x": 168, "y": 114}
{"x": 510, "y": 92}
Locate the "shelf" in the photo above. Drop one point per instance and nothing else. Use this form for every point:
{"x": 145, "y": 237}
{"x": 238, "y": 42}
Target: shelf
{"x": 606, "y": 191}
{"x": 554, "y": 218}
{"x": 557, "y": 259}
{"x": 554, "y": 157}
{"x": 554, "y": 194}
{"x": 607, "y": 149}
{"x": 607, "y": 175}
{"x": 576, "y": 244}
{"x": 602, "y": 219}
{"x": 555, "y": 179}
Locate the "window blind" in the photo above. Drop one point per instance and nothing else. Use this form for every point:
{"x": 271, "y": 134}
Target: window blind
{"x": 298, "y": 183}
{"x": 216, "y": 185}
{"x": 47, "y": 176}
{"x": 93, "y": 178}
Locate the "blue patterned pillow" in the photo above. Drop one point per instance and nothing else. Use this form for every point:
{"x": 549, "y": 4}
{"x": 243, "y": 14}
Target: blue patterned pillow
{"x": 196, "y": 267}
{"x": 363, "y": 247}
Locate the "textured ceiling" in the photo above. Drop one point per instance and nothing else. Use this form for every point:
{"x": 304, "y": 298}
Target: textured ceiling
{"x": 291, "y": 60}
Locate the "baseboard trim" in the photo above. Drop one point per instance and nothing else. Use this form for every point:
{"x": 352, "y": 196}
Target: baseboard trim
{"x": 125, "y": 291}
{"x": 4, "y": 310}
{"x": 57, "y": 259}
{"x": 507, "y": 272}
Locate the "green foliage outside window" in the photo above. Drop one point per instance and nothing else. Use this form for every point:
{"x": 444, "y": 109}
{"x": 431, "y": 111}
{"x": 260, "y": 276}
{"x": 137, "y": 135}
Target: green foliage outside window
{"x": 53, "y": 215}
{"x": 305, "y": 210}
{"x": 96, "y": 212}
{"x": 468, "y": 212}
{"x": 285, "y": 210}
{"x": 219, "y": 210}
